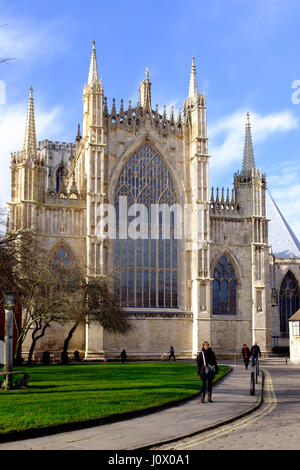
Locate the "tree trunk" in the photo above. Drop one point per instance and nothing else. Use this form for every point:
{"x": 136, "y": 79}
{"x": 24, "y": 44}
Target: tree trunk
{"x": 69, "y": 337}
{"x": 31, "y": 351}
{"x": 35, "y": 339}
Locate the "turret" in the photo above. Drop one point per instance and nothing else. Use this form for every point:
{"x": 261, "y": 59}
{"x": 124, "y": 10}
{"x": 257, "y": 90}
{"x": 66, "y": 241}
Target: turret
{"x": 197, "y": 161}
{"x": 30, "y": 135}
{"x": 145, "y": 93}
{"x": 95, "y": 164}
{"x": 250, "y": 183}
{"x": 92, "y": 98}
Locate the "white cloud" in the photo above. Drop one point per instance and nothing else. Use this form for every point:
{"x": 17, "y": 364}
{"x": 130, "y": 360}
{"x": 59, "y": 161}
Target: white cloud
{"x": 226, "y": 138}
{"x": 284, "y": 187}
{"x": 28, "y": 40}
{"x": 227, "y": 134}
{"x": 12, "y": 130}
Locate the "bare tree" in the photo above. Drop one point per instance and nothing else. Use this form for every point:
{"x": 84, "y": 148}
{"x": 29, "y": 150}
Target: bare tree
{"x": 93, "y": 302}
{"x": 43, "y": 295}
{"x": 25, "y": 270}
{"x": 5, "y": 60}
{"x": 50, "y": 291}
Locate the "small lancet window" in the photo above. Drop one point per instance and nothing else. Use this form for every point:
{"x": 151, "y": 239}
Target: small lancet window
{"x": 59, "y": 176}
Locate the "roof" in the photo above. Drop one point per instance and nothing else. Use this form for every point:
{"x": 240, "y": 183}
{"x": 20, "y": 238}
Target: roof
{"x": 296, "y": 316}
{"x": 282, "y": 239}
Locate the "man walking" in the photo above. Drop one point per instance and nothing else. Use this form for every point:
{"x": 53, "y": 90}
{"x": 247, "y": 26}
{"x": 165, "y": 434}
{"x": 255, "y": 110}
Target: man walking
{"x": 172, "y": 353}
{"x": 255, "y": 352}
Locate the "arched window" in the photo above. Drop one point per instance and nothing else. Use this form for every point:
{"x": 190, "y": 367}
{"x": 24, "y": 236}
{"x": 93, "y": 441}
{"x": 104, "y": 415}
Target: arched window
{"x": 224, "y": 288}
{"x": 288, "y": 300}
{"x": 61, "y": 256}
{"x": 147, "y": 269}
{"x": 59, "y": 176}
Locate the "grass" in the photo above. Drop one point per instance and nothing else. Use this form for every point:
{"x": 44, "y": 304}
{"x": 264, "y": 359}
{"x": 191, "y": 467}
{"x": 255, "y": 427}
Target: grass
{"x": 63, "y": 394}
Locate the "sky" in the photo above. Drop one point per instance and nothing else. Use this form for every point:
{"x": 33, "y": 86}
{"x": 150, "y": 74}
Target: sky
{"x": 246, "y": 56}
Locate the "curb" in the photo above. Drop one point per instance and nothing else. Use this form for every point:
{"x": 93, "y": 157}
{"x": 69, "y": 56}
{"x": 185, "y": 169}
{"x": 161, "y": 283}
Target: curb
{"x": 253, "y": 408}
{"x": 93, "y": 422}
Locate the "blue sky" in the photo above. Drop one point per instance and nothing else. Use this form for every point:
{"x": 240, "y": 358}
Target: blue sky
{"x": 246, "y": 57}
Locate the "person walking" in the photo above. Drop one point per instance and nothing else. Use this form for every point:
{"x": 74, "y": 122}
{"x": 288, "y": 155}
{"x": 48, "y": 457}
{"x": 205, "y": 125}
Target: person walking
{"x": 172, "y": 353}
{"x": 246, "y": 355}
{"x": 207, "y": 369}
{"x": 123, "y": 355}
{"x": 255, "y": 352}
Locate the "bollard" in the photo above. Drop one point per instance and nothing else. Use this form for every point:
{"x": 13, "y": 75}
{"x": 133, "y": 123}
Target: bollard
{"x": 252, "y": 384}
{"x": 256, "y": 371}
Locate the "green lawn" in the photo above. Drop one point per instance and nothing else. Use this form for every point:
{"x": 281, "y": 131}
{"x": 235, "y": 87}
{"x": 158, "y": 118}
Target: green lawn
{"x": 61, "y": 394}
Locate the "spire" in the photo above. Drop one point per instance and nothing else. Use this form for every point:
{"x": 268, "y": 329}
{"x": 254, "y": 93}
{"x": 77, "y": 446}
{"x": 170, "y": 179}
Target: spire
{"x": 145, "y": 92}
{"x": 30, "y": 136}
{"x": 248, "y": 159}
{"x": 78, "y": 136}
{"x": 93, "y": 72}
{"x": 193, "y": 90}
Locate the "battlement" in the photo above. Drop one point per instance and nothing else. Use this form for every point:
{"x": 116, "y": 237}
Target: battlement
{"x": 49, "y": 144}
{"x": 251, "y": 175}
{"x": 21, "y": 157}
{"x": 223, "y": 204}
{"x": 138, "y": 116}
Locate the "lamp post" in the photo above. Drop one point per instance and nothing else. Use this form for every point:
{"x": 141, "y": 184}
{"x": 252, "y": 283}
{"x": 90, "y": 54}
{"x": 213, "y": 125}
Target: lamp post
{"x": 8, "y": 340}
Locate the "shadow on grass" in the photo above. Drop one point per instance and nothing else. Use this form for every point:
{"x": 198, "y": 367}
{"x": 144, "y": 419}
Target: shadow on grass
{"x": 44, "y": 389}
{"x": 48, "y": 389}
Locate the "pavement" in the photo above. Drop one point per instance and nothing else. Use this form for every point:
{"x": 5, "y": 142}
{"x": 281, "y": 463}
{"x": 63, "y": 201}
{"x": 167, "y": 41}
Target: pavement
{"x": 232, "y": 400}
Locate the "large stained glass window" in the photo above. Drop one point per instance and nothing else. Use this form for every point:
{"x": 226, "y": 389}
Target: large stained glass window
{"x": 288, "y": 300}
{"x": 146, "y": 268}
{"x": 224, "y": 288}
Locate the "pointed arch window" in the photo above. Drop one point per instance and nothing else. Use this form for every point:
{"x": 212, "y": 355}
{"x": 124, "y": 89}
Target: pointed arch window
{"x": 61, "y": 256}
{"x": 288, "y": 300}
{"x": 147, "y": 269}
{"x": 59, "y": 176}
{"x": 224, "y": 288}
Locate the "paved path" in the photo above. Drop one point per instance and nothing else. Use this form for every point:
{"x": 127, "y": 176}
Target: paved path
{"x": 274, "y": 426}
{"x": 231, "y": 398}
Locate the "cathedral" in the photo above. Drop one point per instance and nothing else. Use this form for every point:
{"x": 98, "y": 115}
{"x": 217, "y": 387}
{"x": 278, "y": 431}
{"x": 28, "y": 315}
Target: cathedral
{"x": 232, "y": 278}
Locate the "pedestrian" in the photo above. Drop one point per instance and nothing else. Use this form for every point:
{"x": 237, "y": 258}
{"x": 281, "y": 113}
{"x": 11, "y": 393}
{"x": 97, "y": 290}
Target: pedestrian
{"x": 172, "y": 353}
{"x": 246, "y": 355}
{"x": 123, "y": 355}
{"x": 255, "y": 352}
{"x": 207, "y": 369}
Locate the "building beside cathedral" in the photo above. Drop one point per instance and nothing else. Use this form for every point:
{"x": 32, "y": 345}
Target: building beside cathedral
{"x": 233, "y": 279}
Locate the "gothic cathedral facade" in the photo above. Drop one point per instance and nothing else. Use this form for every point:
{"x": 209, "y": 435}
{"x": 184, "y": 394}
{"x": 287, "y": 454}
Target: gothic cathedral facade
{"x": 221, "y": 283}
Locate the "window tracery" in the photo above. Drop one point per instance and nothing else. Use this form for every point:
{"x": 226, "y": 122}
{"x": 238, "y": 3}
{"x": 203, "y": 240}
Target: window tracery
{"x": 288, "y": 300}
{"x": 147, "y": 269}
{"x": 224, "y": 288}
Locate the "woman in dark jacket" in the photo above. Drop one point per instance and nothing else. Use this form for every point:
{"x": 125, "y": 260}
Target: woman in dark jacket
{"x": 207, "y": 368}
{"x": 246, "y": 355}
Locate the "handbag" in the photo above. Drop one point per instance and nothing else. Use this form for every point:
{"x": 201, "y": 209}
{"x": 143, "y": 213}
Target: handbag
{"x": 207, "y": 368}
